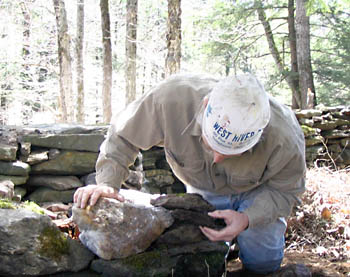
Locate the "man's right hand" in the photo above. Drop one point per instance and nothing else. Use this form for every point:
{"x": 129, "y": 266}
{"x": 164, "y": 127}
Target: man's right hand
{"x": 93, "y": 193}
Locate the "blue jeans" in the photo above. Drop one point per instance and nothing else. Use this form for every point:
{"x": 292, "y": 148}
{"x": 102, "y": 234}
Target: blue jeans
{"x": 261, "y": 249}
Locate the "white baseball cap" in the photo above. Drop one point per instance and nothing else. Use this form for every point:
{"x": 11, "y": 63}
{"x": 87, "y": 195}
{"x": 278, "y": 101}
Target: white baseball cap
{"x": 237, "y": 112}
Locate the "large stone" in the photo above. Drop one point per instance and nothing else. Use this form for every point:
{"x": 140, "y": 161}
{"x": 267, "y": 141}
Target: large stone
{"x": 17, "y": 180}
{"x": 63, "y": 128}
{"x": 307, "y": 113}
{"x": 188, "y": 201}
{"x": 55, "y": 182}
{"x": 30, "y": 244}
{"x": 112, "y": 229}
{"x": 6, "y": 189}
{"x": 333, "y": 134}
{"x": 80, "y": 142}
{"x": 313, "y": 140}
{"x": 196, "y": 218}
{"x": 161, "y": 263}
{"x": 309, "y": 131}
{"x": 16, "y": 168}
{"x": 35, "y": 157}
{"x": 68, "y": 163}
{"x": 45, "y": 194}
{"x": 181, "y": 235}
{"x": 8, "y": 152}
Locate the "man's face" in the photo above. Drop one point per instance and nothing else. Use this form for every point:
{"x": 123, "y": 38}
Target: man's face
{"x": 217, "y": 157}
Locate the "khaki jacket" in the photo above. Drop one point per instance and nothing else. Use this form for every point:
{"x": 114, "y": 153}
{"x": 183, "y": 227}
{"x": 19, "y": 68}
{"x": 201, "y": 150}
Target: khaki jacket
{"x": 167, "y": 117}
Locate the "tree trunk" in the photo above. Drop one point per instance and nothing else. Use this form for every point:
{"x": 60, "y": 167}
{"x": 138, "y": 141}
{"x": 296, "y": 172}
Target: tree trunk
{"x": 80, "y": 61}
{"x": 173, "y": 37}
{"x": 26, "y": 76}
{"x": 107, "y": 61}
{"x": 273, "y": 49}
{"x": 306, "y": 82}
{"x": 296, "y": 95}
{"x": 26, "y": 40}
{"x": 130, "y": 49}
{"x": 65, "y": 63}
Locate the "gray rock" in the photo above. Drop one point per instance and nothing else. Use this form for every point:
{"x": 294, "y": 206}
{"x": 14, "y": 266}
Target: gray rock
{"x": 181, "y": 235}
{"x": 196, "y": 218}
{"x": 54, "y": 182}
{"x": 68, "y": 163}
{"x": 188, "y": 201}
{"x": 8, "y": 152}
{"x": 89, "y": 179}
{"x": 307, "y": 113}
{"x": 25, "y": 148}
{"x": 80, "y": 142}
{"x": 313, "y": 140}
{"x": 17, "y": 180}
{"x": 44, "y": 194}
{"x": 112, "y": 229}
{"x": 16, "y": 168}
{"x": 306, "y": 121}
{"x": 6, "y": 189}
{"x": 152, "y": 263}
{"x": 20, "y": 191}
{"x": 63, "y": 128}
{"x": 162, "y": 263}
{"x": 333, "y": 134}
{"x": 30, "y": 244}
{"x": 35, "y": 157}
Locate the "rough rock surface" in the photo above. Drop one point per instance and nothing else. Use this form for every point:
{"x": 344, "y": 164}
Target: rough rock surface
{"x": 6, "y": 189}
{"x": 190, "y": 201}
{"x": 30, "y": 244}
{"x": 112, "y": 229}
{"x": 55, "y": 182}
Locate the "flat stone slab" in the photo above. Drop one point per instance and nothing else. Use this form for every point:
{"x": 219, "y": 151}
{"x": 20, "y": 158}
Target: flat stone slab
{"x": 80, "y": 142}
{"x": 112, "y": 229}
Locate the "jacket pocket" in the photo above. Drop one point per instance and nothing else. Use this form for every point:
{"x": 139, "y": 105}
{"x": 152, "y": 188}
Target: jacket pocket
{"x": 190, "y": 170}
{"x": 243, "y": 183}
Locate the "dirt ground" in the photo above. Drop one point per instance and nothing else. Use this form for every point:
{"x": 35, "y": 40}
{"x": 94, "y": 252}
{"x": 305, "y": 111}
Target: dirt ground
{"x": 318, "y": 233}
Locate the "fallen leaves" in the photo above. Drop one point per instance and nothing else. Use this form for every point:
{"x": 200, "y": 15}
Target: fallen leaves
{"x": 322, "y": 222}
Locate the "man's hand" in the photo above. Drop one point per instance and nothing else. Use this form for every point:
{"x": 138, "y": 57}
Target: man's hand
{"x": 235, "y": 223}
{"x": 94, "y": 192}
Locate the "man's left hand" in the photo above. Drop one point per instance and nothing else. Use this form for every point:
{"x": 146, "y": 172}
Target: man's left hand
{"x": 235, "y": 223}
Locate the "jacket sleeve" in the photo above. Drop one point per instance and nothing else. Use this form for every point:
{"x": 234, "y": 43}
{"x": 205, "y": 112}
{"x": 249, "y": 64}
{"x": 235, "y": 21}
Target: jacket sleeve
{"x": 137, "y": 127}
{"x": 282, "y": 183}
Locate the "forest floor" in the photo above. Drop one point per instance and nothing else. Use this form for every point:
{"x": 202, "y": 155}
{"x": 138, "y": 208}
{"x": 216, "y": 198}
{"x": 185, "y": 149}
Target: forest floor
{"x": 318, "y": 233}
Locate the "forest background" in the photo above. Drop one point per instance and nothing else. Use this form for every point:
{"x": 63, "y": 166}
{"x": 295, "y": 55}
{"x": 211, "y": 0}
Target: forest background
{"x": 83, "y": 61}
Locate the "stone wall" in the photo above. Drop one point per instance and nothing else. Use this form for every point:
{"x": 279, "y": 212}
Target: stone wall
{"x": 327, "y": 136}
{"x": 47, "y": 163}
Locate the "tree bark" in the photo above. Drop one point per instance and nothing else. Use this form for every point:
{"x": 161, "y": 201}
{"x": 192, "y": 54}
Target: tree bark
{"x": 273, "y": 49}
{"x": 306, "y": 83}
{"x": 80, "y": 61}
{"x": 296, "y": 95}
{"x": 130, "y": 49}
{"x": 65, "y": 63}
{"x": 173, "y": 37}
{"x": 26, "y": 34}
{"x": 107, "y": 61}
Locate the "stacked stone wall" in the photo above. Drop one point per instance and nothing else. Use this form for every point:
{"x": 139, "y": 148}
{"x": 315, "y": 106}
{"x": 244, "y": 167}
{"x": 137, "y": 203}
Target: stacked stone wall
{"x": 327, "y": 136}
{"x": 48, "y": 163}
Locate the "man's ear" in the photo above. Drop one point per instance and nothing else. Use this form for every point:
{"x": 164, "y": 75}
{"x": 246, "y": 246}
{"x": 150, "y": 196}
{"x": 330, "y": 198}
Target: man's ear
{"x": 205, "y": 101}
